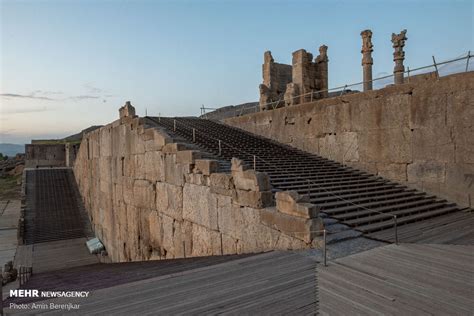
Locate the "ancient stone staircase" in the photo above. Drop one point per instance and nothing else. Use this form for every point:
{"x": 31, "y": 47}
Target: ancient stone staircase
{"x": 363, "y": 201}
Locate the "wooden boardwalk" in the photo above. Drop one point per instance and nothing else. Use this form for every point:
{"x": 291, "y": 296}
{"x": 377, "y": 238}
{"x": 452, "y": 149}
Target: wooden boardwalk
{"x": 273, "y": 283}
{"x": 56, "y": 255}
{"x": 9, "y": 215}
{"x": 409, "y": 279}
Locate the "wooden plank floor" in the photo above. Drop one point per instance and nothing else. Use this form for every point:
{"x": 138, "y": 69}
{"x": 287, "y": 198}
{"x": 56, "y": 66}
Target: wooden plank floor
{"x": 456, "y": 228}
{"x": 409, "y": 279}
{"x": 55, "y": 255}
{"x": 273, "y": 283}
{"x": 9, "y": 215}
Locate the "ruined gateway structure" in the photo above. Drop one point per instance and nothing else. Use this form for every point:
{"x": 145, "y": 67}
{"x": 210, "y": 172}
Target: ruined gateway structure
{"x": 284, "y": 85}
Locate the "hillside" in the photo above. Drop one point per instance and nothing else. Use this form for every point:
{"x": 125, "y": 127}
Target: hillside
{"x": 11, "y": 149}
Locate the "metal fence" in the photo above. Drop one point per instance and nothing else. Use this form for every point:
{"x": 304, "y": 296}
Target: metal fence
{"x": 439, "y": 69}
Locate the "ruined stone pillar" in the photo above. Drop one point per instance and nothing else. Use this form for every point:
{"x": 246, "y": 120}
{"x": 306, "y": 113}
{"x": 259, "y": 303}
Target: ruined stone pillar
{"x": 302, "y": 74}
{"x": 128, "y": 110}
{"x": 322, "y": 66}
{"x": 367, "y": 61}
{"x": 398, "y": 41}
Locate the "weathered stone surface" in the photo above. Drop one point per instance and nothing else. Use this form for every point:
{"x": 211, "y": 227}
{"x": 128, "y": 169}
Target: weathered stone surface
{"x": 169, "y": 200}
{"x": 200, "y": 206}
{"x": 143, "y": 194}
{"x": 206, "y": 166}
{"x": 154, "y": 166}
{"x": 127, "y": 110}
{"x": 187, "y": 156}
{"x": 174, "y": 173}
{"x": 426, "y": 171}
{"x": 395, "y": 171}
{"x": 229, "y": 245}
{"x": 206, "y": 242}
{"x": 255, "y": 199}
{"x": 301, "y": 228}
{"x": 291, "y": 203}
{"x": 173, "y": 148}
{"x": 147, "y": 204}
{"x": 251, "y": 180}
{"x": 222, "y": 183}
{"x": 238, "y": 165}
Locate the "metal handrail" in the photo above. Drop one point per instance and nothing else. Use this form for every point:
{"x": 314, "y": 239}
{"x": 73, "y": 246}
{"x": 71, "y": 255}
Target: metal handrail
{"x": 344, "y": 87}
{"x": 220, "y": 143}
{"x": 324, "y": 231}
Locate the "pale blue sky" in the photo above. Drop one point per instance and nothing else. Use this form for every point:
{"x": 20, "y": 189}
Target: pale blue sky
{"x": 66, "y": 65}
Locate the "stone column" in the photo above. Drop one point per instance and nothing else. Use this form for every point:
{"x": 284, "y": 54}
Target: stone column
{"x": 302, "y": 74}
{"x": 398, "y": 41}
{"x": 367, "y": 61}
{"x": 322, "y": 64}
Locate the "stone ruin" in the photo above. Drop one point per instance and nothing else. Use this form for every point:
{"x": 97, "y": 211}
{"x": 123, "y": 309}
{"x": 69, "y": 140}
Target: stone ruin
{"x": 307, "y": 80}
{"x": 285, "y": 85}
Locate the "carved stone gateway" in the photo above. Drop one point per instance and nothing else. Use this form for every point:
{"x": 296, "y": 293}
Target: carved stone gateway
{"x": 282, "y": 84}
{"x": 367, "y": 61}
{"x": 398, "y": 41}
{"x": 275, "y": 78}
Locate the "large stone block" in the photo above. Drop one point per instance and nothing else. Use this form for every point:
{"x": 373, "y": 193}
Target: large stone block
{"x": 144, "y": 194}
{"x": 251, "y": 180}
{"x": 140, "y": 166}
{"x": 460, "y": 112}
{"x": 297, "y": 227}
{"x": 222, "y": 183}
{"x": 464, "y": 139}
{"x": 154, "y": 166}
{"x": 229, "y": 245}
{"x": 427, "y": 108}
{"x": 394, "y": 171}
{"x": 206, "y": 166}
{"x": 236, "y": 221}
{"x": 200, "y": 206}
{"x": 187, "y": 156}
{"x": 433, "y": 143}
{"x": 206, "y": 242}
{"x": 169, "y": 200}
{"x": 173, "y": 148}
{"x": 255, "y": 199}
{"x": 459, "y": 185}
{"x": 426, "y": 171}
{"x": 174, "y": 173}
{"x": 388, "y": 145}
{"x": 291, "y": 203}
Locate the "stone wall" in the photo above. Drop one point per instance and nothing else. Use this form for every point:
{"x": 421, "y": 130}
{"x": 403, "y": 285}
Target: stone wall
{"x": 45, "y": 155}
{"x": 149, "y": 197}
{"x": 419, "y": 133}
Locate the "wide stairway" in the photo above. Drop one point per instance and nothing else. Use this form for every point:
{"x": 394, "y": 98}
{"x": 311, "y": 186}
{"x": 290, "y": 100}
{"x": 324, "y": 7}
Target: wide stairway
{"x": 363, "y": 201}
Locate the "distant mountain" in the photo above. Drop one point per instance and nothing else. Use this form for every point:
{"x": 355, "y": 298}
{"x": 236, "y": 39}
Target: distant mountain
{"x": 11, "y": 149}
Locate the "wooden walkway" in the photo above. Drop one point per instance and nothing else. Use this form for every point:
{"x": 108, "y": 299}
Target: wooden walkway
{"x": 273, "y": 283}
{"x": 56, "y": 255}
{"x": 409, "y": 279}
{"x": 9, "y": 215}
